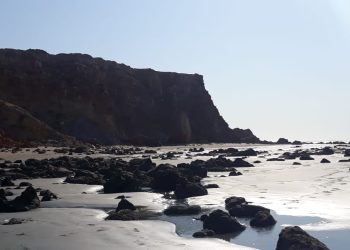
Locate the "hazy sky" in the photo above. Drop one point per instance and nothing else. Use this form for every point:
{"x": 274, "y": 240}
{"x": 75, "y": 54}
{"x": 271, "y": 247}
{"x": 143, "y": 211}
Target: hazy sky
{"x": 280, "y": 68}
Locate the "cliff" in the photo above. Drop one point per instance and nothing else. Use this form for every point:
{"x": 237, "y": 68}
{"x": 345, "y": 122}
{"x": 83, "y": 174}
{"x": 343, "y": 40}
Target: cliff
{"x": 101, "y": 101}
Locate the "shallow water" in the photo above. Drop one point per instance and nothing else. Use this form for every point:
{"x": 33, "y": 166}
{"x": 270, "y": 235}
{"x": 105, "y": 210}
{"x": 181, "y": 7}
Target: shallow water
{"x": 313, "y": 196}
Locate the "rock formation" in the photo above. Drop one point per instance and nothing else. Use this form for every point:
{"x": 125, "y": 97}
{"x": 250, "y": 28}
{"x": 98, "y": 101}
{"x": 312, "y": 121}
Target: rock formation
{"x": 100, "y": 101}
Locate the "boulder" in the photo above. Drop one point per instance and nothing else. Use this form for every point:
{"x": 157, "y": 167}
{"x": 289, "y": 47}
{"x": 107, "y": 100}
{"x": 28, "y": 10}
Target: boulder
{"x": 165, "y": 178}
{"x": 204, "y": 233}
{"x": 347, "y": 153}
{"x": 239, "y": 162}
{"x": 182, "y": 209}
{"x": 125, "y": 204}
{"x": 189, "y": 189}
{"x": 295, "y": 238}
{"x": 221, "y": 223}
{"x": 234, "y": 201}
{"x": 26, "y": 201}
{"x": 247, "y": 152}
{"x": 141, "y": 164}
{"x": 282, "y": 141}
{"x": 245, "y": 210}
{"x": 14, "y": 221}
{"x": 6, "y": 182}
{"x": 25, "y": 184}
{"x": 325, "y": 161}
{"x": 263, "y": 219}
{"x": 306, "y": 157}
{"x": 235, "y": 173}
{"x": 121, "y": 181}
{"x": 212, "y": 185}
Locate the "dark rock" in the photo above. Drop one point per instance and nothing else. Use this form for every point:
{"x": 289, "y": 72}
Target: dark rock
{"x": 282, "y": 141}
{"x": 165, "y": 178}
{"x": 275, "y": 159}
{"x": 182, "y": 209}
{"x": 234, "y": 201}
{"x": 247, "y": 152}
{"x": 347, "y": 153}
{"x": 125, "y": 204}
{"x": 325, "y": 151}
{"x": 26, "y": 201}
{"x": 6, "y": 182}
{"x": 188, "y": 189}
{"x": 325, "y": 161}
{"x": 25, "y": 184}
{"x": 14, "y": 221}
{"x": 246, "y": 210}
{"x": 84, "y": 180}
{"x": 221, "y": 223}
{"x": 211, "y": 186}
{"x": 296, "y": 163}
{"x": 263, "y": 219}
{"x": 122, "y": 181}
{"x": 235, "y": 173}
{"x": 203, "y": 233}
{"x": 141, "y": 164}
{"x": 346, "y": 160}
{"x": 294, "y": 238}
{"x": 306, "y": 157}
{"x": 239, "y": 162}
{"x": 47, "y": 195}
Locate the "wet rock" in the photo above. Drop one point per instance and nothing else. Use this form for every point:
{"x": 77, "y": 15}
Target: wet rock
{"x": 263, "y": 219}
{"x": 182, "y": 209}
{"x": 165, "y": 178}
{"x": 347, "y": 153}
{"x": 195, "y": 168}
{"x": 325, "y": 151}
{"x": 122, "y": 181}
{"x": 234, "y": 201}
{"x": 26, "y": 201}
{"x": 25, "y": 184}
{"x": 294, "y": 238}
{"x": 275, "y": 159}
{"x": 247, "y": 152}
{"x": 6, "y": 182}
{"x": 83, "y": 180}
{"x": 203, "y": 233}
{"x": 141, "y": 164}
{"x": 14, "y": 221}
{"x": 325, "y": 161}
{"x": 282, "y": 141}
{"x": 221, "y": 223}
{"x": 346, "y": 160}
{"x": 239, "y": 162}
{"x": 246, "y": 210}
{"x": 296, "y": 163}
{"x": 47, "y": 195}
{"x": 235, "y": 173}
{"x": 306, "y": 157}
{"x": 125, "y": 204}
{"x": 188, "y": 189}
{"x": 211, "y": 186}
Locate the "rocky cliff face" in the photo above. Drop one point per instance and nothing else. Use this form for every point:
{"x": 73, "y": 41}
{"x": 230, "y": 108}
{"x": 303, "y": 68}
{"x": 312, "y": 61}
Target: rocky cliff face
{"x": 105, "y": 102}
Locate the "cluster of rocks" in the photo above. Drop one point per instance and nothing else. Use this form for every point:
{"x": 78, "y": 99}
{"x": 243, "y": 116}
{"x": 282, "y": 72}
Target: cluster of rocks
{"x": 231, "y": 152}
{"x": 26, "y": 201}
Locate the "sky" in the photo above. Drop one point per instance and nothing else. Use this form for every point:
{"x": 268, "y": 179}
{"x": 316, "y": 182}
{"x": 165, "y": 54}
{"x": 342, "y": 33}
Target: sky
{"x": 280, "y": 68}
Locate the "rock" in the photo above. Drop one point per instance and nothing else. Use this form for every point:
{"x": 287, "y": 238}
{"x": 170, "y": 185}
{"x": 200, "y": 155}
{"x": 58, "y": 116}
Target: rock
{"x": 84, "y": 180}
{"x": 26, "y": 201}
{"x": 257, "y": 162}
{"x": 347, "y": 153}
{"x": 121, "y": 181}
{"x": 221, "y": 223}
{"x": 297, "y": 143}
{"x": 325, "y": 151}
{"x": 263, "y": 219}
{"x": 306, "y": 157}
{"x": 346, "y": 160}
{"x": 211, "y": 186}
{"x": 124, "y": 215}
{"x": 188, "y": 189}
{"x": 296, "y": 163}
{"x": 239, "y": 162}
{"x": 234, "y": 201}
{"x": 325, "y": 161}
{"x": 282, "y": 141}
{"x": 125, "y": 204}
{"x": 14, "y": 221}
{"x": 247, "y": 152}
{"x": 6, "y": 182}
{"x": 141, "y": 164}
{"x": 235, "y": 173}
{"x": 246, "y": 210}
{"x": 294, "y": 238}
{"x": 165, "y": 178}
{"x": 47, "y": 195}
{"x": 25, "y": 184}
{"x": 203, "y": 233}
{"x": 275, "y": 159}
{"x": 182, "y": 209}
